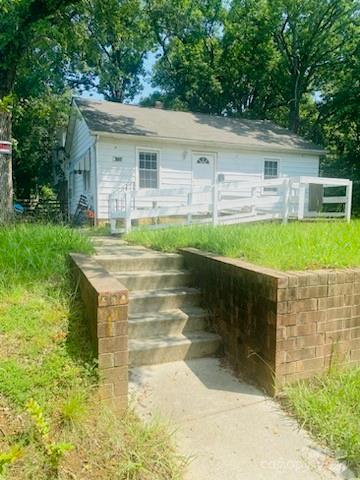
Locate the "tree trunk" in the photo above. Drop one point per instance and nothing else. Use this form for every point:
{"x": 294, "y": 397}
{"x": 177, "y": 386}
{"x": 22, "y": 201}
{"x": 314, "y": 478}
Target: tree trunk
{"x": 6, "y": 189}
{"x": 294, "y": 116}
{"x": 7, "y": 74}
{"x": 294, "y": 106}
{"x": 6, "y": 181}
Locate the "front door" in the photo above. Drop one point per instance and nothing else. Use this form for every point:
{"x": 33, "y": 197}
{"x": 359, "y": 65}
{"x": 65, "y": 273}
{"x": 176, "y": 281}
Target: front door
{"x": 203, "y": 169}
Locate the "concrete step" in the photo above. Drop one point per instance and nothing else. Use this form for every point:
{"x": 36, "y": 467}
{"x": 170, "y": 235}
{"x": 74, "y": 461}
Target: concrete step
{"x": 139, "y": 260}
{"x": 159, "y": 300}
{"x": 171, "y": 322}
{"x": 170, "y": 349}
{"x": 144, "y": 280}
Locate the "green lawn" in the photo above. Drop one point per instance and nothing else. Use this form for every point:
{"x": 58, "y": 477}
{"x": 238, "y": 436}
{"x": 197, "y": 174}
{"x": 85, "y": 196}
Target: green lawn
{"x": 46, "y": 359}
{"x": 329, "y": 407}
{"x": 295, "y": 246}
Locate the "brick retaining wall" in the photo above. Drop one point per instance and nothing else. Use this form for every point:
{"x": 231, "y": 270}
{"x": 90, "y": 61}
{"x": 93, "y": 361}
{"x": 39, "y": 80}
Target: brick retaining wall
{"x": 106, "y": 309}
{"x": 278, "y": 327}
{"x": 318, "y": 322}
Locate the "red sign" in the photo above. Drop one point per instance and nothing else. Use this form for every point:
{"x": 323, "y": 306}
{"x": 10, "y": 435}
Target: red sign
{"x": 5, "y": 147}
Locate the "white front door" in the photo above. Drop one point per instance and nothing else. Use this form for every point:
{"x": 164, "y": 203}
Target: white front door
{"x": 203, "y": 169}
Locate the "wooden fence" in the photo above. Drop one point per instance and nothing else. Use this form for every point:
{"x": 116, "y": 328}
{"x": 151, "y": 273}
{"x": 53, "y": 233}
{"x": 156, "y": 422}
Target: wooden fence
{"x": 44, "y": 209}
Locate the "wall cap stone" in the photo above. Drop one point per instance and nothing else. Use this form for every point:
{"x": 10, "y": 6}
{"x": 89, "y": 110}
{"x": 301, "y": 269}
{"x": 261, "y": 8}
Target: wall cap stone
{"x": 109, "y": 290}
{"x": 271, "y": 272}
{"x": 251, "y": 267}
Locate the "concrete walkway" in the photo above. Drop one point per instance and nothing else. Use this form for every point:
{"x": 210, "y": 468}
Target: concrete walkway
{"x": 229, "y": 429}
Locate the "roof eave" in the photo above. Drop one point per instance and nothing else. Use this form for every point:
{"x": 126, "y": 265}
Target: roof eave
{"x": 260, "y": 148}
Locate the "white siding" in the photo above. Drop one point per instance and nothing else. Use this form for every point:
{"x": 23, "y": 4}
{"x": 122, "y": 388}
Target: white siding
{"x": 176, "y": 165}
{"x": 112, "y": 174}
{"x": 82, "y": 141}
{"x": 175, "y": 169}
{"x": 290, "y": 165}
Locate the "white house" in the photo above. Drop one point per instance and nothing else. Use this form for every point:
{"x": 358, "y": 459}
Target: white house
{"x": 112, "y": 147}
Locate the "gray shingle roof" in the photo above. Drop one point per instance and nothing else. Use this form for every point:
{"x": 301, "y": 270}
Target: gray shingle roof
{"x": 119, "y": 118}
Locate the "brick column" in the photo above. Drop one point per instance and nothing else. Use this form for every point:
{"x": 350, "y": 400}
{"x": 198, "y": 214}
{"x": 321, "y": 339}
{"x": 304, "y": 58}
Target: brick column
{"x": 106, "y": 308}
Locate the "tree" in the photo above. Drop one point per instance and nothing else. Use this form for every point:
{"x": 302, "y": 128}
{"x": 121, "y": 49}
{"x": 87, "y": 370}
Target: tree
{"x": 188, "y": 34}
{"x": 36, "y": 125}
{"x": 310, "y": 36}
{"x": 248, "y": 58}
{"x": 338, "y": 119}
{"x": 259, "y": 58}
{"x": 18, "y": 22}
{"x": 18, "y": 26}
{"x": 118, "y": 40}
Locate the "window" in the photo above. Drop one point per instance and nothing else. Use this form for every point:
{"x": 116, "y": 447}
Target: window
{"x": 203, "y": 161}
{"x": 270, "y": 169}
{"x": 148, "y": 169}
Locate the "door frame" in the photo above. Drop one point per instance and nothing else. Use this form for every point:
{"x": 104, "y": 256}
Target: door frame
{"x": 204, "y": 153}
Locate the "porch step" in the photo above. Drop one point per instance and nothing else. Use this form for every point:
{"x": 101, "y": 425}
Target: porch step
{"x": 135, "y": 260}
{"x": 171, "y": 322}
{"x": 160, "y": 300}
{"x": 149, "y": 280}
{"x": 164, "y": 349}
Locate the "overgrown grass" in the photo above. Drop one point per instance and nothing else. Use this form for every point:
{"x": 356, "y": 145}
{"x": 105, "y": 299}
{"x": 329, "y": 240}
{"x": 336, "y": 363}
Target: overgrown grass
{"x": 36, "y": 253}
{"x": 329, "y": 407}
{"x": 46, "y": 356}
{"x": 295, "y": 246}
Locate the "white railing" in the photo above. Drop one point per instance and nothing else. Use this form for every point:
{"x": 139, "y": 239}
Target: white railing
{"x": 246, "y": 200}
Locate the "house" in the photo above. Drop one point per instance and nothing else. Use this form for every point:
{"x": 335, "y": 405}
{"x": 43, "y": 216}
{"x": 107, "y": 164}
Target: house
{"x": 114, "y": 147}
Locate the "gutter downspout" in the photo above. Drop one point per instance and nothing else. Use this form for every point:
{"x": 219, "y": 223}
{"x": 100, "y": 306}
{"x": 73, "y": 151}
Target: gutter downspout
{"x": 96, "y": 180}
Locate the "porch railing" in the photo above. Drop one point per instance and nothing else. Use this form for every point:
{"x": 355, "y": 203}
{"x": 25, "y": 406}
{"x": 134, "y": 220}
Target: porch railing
{"x": 230, "y": 202}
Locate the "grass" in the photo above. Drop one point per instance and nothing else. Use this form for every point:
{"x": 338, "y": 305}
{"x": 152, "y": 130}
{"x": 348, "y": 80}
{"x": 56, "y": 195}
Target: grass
{"x": 328, "y": 406}
{"x": 99, "y": 230}
{"x": 295, "y": 246}
{"x": 46, "y": 357}
{"x": 36, "y": 253}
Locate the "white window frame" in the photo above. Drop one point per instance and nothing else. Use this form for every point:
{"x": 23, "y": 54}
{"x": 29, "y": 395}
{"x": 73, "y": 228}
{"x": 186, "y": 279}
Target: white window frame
{"x": 147, "y": 150}
{"x": 274, "y": 160}
{"x": 270, "y": 190}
